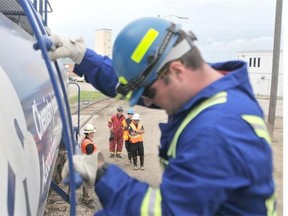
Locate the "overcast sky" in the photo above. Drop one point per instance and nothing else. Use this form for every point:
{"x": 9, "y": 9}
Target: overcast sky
{"x": 223, "y": 27}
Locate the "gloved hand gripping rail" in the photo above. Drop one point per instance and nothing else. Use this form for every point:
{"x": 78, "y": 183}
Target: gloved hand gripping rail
{"x": 67, "y": 48}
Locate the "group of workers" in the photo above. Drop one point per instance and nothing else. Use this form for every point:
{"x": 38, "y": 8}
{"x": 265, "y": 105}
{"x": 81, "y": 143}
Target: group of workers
{"x": 129, "y": 130}
{"x": 122, "y": 129}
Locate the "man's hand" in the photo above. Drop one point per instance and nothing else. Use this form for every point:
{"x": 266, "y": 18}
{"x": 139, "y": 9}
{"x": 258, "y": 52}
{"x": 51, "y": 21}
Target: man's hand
{"x": 67, "y": 48}
{"x": 86, "y": 166}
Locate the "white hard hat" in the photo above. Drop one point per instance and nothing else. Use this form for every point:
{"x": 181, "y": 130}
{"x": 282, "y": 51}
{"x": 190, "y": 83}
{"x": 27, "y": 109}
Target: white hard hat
{"x": 136, "y": 116}
{"x": 89, "y": 128}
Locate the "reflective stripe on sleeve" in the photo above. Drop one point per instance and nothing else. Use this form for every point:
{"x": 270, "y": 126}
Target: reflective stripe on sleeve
{"x": 218, "y": 98}
{"x": 259, "y": 126}
{"x": 151, "y": 204}
{"x": 270, "y": 204}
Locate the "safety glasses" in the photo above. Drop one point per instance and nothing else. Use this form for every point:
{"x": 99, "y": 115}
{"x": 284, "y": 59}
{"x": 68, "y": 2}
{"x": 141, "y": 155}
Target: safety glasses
{"x": 149, "y": 92}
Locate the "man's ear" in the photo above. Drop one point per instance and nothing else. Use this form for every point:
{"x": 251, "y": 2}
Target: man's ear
{"x": 177, "y": 68}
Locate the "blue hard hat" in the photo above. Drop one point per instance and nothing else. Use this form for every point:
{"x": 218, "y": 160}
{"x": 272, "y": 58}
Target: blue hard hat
{"x": 130, "y": 111}
{"x": 139, "y": 51}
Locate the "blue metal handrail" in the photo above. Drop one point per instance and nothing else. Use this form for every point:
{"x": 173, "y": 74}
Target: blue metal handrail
{"x": 78, "y": 110}
{"x": 45, "y": 44}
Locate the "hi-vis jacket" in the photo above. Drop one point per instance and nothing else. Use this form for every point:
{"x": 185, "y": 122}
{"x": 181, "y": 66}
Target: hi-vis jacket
{"x": 216, "y": 150}
{"x": 86, "y": 141}
{"x": 125, "y": 124}
{"x": 137, "y": 137}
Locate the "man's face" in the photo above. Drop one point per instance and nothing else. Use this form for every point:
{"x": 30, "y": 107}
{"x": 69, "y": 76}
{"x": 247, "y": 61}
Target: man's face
{"x": 91, "y": 134}
{"x": 168, "y": 92}
{"x": 130, "y": 115}
{"x": 136, "y": 122}
{"x": 163, "y": 96}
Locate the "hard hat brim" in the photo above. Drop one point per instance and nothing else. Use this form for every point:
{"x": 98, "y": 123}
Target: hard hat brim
{"x": 90, "y": 131}
{"x": 136, "y": 96}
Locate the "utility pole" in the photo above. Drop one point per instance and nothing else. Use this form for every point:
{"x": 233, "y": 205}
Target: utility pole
{"x": 275, "y": 67}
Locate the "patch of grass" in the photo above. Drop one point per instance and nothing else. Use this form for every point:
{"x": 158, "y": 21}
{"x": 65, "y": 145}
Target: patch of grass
{"x": 87, "y": 95}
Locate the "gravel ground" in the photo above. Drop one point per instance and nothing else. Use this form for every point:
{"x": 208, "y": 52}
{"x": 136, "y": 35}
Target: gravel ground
{"x": 151, "y": 174}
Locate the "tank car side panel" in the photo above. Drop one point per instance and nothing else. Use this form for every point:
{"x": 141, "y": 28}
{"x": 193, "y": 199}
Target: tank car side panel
{"x": 30, "y": 128}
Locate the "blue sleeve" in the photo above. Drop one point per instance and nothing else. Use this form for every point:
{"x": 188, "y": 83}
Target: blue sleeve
{"x": 201, "y": 177}
{"x": 98, "y": 70}
{"x": 221, "y": 168}
{"x": 119, "y": 193}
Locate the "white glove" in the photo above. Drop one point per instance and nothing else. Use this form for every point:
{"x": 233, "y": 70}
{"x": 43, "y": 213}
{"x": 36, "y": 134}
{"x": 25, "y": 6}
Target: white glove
{"x": 67, "y": 48}
{"x": 85, "y": 165}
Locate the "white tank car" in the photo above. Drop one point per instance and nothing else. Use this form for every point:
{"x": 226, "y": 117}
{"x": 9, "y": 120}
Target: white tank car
{"x": 30, "y": 128}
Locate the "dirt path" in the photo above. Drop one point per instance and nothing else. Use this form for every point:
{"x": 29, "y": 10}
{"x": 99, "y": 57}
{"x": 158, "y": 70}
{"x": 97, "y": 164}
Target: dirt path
{"x": 277, "y": 147}
{"x": 152, "y": 173}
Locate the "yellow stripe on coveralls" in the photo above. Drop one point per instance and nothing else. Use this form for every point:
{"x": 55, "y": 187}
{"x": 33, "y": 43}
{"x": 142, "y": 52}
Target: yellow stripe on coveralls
{"x": 151, "y": 204}
{"x": 144, "y": 45}
{"x": 259, "y": 126}
{"x": 218, "y": 98}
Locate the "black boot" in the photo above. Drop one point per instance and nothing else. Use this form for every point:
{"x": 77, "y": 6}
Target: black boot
{"x": 135, "y": 163}
{"x": 142, "y": 162}
{"x": 129, "y": 156}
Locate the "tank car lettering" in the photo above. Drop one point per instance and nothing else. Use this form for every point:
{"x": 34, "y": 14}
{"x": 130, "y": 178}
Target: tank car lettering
{"x": 47, "y": 164}
{"x": 53, "y": 103}
{"x": 36, "y": 119}
{"x": 43, "y": 117}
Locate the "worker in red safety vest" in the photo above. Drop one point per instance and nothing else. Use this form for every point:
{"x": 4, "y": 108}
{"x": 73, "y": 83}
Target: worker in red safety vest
{"x": 88, "y": 146}
{"x": 136, "y": 131}
{"x": 125, "y": 124}
{"x": 116, "y": 133}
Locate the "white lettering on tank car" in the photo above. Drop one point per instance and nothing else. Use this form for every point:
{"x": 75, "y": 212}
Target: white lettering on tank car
{"x": 43, "y": 117}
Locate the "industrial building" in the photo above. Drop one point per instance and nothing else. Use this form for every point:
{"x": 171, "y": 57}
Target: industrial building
{"x": 260, "y": 71}
{"x": 103, "y": 42}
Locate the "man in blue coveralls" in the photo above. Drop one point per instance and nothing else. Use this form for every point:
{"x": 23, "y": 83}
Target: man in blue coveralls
{"x": 215, "y": 147}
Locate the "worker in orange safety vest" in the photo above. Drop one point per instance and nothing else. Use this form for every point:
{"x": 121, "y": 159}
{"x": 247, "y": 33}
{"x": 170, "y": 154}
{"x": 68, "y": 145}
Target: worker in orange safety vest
{"x": 126, "y": 122}
{"x": 88, "y": 146}
{"x": 136, "y": 131}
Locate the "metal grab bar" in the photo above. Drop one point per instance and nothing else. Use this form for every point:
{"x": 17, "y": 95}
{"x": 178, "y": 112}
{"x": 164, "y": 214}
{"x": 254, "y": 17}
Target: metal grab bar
{"x": 45, "y": 44}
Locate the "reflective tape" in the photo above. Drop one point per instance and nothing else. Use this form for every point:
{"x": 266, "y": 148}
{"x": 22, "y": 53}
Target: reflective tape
{"x": 219, "y": 98}
{"x": 144, "y": 45}
{"x": 271, "y": 206}
{"x": 151, "y": 204}
{"x": 259, "y": 126}
{"x": 122, "y": 80}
